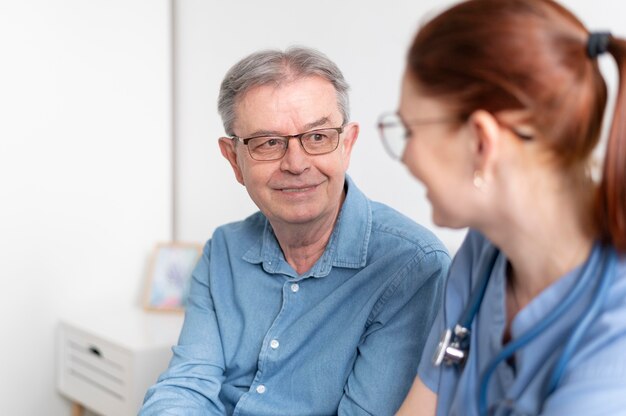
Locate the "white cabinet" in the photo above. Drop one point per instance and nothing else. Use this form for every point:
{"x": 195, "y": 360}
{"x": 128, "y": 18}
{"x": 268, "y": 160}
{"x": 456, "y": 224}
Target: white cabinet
{"x": 107, "y": 358}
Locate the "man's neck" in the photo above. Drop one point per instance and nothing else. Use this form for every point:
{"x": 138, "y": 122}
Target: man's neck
{"x": 304, "y": 244}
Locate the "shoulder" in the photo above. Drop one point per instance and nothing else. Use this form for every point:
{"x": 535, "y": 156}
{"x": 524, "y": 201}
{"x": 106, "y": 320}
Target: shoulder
{"x": 616, "y": 297}
{"x": 393, "y": 229}
{"x": 239, "y": 236}
{"x": 611, "y": 324}
{"x": 601, "y": 352}
{"x": 411, "y": 254}
{"x": 474, "y": 244}
{"x": 595, "y": 379}
{"x": 250, "y": 226}
{"x": 464, "y": 269}
{"x": 474, "y": 248}
{"x": 389, "y": 230}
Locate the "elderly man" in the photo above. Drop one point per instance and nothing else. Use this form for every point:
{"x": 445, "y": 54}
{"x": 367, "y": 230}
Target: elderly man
{"x": 320, "y": 303}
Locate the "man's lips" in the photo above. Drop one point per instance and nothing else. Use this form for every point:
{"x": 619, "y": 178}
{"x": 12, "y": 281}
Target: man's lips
{"x": 296, "y": 188}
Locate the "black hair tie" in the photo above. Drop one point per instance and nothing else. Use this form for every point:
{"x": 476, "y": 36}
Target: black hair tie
{"x": 598, "y": 43}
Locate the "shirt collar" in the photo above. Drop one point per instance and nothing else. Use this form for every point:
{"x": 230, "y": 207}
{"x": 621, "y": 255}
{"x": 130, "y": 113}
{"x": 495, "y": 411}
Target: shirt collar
{"x": 347, "y": 246}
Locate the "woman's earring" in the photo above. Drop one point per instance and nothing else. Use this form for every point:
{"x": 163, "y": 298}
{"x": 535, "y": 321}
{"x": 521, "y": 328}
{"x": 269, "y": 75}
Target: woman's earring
{"x": 479, "y": 181}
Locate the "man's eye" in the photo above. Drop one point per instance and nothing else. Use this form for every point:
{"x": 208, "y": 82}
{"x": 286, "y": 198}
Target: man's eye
{"x": 316, "y": 137}
{"x": 268, "y": 143}
{"x": 271, "y": 142}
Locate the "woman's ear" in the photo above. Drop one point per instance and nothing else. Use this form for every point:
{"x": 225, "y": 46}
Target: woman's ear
{"x": 229, "y": 151}
{"x": 485, "y": 140}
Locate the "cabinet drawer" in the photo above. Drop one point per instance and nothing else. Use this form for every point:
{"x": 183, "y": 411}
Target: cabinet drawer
{"x": 94, "y": 371}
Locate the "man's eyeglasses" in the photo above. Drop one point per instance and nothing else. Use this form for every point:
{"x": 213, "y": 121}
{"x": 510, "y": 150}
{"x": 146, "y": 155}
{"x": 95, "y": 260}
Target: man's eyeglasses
{"x": 395, "y": 132}
{"x": 314, "y": 142}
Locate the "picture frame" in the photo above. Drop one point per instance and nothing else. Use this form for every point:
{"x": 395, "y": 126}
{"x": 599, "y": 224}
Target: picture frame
{"x": 169, "y": 276}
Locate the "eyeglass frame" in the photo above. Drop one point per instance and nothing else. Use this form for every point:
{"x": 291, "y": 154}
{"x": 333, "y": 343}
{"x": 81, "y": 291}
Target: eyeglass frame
{"x": 408, "y": 132}
{"x": 287, "y": 138}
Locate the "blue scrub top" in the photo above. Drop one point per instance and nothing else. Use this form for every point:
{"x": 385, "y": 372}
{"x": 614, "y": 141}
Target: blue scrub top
{"x": 594, "y": 382}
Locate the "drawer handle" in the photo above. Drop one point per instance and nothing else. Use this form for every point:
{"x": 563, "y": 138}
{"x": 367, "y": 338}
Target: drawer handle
{"x": 95, "y": 351}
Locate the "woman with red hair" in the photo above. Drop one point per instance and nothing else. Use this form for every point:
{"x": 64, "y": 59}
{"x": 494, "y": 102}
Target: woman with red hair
{"x": 501, "y": 108}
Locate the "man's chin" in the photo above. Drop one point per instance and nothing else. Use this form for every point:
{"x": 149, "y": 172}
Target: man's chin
{"x": 295, "y": 217}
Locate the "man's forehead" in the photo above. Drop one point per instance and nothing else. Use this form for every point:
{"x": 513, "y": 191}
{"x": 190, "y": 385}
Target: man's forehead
{"x": 304, "y": 103}
{"x": 325, "y": 121}
{"x": 312, "y": 87}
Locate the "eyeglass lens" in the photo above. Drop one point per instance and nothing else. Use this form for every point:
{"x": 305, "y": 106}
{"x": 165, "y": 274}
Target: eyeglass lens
{"x": 394, "y": 134}
{"x": 315, "y": 142}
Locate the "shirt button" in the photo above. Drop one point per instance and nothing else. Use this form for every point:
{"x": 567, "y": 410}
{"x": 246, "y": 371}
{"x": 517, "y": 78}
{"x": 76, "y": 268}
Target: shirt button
{"x": 260, "y": 389}
{"x": 274, "y": 344}
{"x": 295, "y": 287}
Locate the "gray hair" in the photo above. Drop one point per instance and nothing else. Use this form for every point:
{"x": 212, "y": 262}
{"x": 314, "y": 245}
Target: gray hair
{"x": 274, "y": 67}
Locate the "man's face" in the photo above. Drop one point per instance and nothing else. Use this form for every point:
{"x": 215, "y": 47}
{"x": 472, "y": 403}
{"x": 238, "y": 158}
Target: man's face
{"x": 299, "y": 188}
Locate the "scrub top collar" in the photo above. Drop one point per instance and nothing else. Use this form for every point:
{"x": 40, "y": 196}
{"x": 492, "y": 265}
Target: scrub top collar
{"x": 537, "y": 309}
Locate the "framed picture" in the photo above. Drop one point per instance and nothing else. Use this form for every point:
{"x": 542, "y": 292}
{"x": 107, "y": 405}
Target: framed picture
{"x": 170, "y": 276}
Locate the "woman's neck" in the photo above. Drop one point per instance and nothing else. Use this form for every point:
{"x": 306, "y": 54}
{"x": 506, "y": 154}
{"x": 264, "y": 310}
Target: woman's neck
{"x": 545, "y": 235}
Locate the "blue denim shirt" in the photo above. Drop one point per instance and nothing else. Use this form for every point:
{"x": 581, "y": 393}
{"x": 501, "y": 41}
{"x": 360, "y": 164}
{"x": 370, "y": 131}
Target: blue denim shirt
{"x": 343, "y": 338}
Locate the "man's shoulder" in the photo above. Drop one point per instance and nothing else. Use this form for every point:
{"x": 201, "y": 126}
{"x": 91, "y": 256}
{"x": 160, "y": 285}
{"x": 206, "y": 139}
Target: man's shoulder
{"x": 391, "y": 225}
{"x": 250, "y": 226}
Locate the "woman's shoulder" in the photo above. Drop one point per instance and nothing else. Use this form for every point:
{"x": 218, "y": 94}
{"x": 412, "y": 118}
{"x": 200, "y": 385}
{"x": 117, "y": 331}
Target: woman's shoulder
{"x": 595, "y": 380}
{"x": 469, "y": 263}
{"x": 615, "y": 305}
{"x": 620, "y": 270}
{"x": 474, "y": 248}
{"x": 602, "y": 350}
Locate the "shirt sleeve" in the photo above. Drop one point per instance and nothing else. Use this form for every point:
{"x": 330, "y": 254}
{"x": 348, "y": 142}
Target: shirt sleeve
{"x": 191, "y": 384}
{"x": 398, "y": 331}
{"x": 428, "y": 373}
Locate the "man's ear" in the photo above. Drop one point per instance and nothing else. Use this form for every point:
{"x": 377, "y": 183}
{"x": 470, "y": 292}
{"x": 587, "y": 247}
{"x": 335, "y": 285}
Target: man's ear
{"x": 229, "y": 151}
{"x": 351, "y": 134}
{"x": 485, "y": 140}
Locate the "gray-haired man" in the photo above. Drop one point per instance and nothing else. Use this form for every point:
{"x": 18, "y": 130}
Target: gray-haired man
{"x": 320, "y": 303}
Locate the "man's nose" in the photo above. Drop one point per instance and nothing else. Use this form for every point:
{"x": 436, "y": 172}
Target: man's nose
{"x": 296, "y": 160}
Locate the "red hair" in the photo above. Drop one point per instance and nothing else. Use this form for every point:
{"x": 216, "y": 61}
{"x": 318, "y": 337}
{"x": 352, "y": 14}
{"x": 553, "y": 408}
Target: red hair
{"x": 530, "y": 55}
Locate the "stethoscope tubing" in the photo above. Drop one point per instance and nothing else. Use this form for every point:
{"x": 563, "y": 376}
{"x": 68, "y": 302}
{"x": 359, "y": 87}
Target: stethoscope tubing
{"x": 578, "y": 289}
{"x": 591, "y": 313}
{"x": 477, "y": 299}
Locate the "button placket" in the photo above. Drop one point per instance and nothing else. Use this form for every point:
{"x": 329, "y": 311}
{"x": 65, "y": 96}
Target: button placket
{"x": 274, "y": 343}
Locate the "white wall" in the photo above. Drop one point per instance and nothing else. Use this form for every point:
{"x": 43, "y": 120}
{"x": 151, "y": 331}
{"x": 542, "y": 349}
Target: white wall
{"x": 85, "y": 126}
{"x": 85, "y": 180}
{"x": 367, "y": 39}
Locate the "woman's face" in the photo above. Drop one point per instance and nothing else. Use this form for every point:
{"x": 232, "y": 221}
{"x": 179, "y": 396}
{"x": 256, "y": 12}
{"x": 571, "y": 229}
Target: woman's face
{"x": 438, "y": 155}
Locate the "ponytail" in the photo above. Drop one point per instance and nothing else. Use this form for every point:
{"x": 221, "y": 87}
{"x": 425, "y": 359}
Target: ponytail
{"x": 611, "y": 198}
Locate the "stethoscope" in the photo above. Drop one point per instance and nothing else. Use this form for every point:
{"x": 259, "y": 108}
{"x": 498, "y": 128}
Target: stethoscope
{"x": 454, "y": 346}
